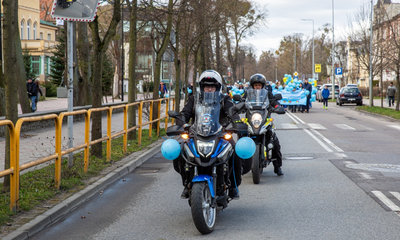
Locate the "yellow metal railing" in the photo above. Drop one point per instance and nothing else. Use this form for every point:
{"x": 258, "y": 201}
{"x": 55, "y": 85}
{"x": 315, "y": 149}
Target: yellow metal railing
{"x": 15, "y": 168}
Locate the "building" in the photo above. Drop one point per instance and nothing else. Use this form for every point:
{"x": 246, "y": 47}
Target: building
{"x": 37, "y": 36}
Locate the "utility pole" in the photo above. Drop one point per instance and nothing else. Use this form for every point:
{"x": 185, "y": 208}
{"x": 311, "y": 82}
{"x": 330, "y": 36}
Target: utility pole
{"x": 122, "y": 54}
{"x": 370, "y": 61}
{"x": 333, "y": 51}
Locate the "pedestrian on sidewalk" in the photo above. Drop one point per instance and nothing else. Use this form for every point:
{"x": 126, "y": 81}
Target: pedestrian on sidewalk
{"x": 163, "y": 89}
{"x": 325, "y": 97}
{"x": 31, "y": 88}
{"x": 39, "y": 91}
{"x": 391, "y": 92}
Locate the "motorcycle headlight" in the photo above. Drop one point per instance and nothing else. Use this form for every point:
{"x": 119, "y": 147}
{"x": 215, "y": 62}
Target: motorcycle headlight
{"x": 256, "y": 120}
{"x": 205, "y": 148}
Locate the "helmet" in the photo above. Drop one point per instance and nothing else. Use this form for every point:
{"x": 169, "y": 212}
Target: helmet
{"x": 210, "y": 77}
{"x": 257, "y": 78}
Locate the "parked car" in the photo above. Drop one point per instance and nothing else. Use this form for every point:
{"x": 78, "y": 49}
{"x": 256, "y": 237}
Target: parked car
{"x": 349, "y": 95}
{"x": 319, "y": 97}
{"x": 352, "y": 85}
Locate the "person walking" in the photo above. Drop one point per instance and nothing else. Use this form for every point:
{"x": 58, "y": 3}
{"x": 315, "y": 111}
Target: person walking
{"x": 325, "y": 97}
{"x": 163, "y": 90}
{"x": 31, "y": 88}
{"x": 308, "y": 87}
{"x": 391, "y": 92}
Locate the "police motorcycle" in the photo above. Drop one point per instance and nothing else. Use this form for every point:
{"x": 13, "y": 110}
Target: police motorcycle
{"x": 65, "y": 3}
{"x": 261, "y": 128}
{"x": 206, "y": 151}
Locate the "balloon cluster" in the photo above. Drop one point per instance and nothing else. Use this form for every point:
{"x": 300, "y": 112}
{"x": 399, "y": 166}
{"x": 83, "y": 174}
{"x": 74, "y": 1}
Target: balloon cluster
{"x": 236, "y": 91}
{"x": 294, "y": 84}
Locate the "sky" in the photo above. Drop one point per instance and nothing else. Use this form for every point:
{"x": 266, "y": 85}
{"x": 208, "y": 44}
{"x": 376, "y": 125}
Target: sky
{"x": 284, "y": 18}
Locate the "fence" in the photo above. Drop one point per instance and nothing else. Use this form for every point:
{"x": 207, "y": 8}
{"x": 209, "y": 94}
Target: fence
{"x": 15, "y": 168}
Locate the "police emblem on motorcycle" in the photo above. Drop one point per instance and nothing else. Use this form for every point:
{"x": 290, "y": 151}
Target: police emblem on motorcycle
{"x": 206, "y": 119}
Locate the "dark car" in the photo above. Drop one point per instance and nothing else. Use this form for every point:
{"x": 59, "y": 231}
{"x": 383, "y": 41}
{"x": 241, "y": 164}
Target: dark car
{"x": 349, "y": 95}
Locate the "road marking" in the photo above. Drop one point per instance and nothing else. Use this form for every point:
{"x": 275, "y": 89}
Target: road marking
{"x": 298, "y": 119}
{"x": 288, "y": 126}
{"x": 292, "y": 116}
{"x": 396, "y": 195}
{"x": 348, "y": 162}
{"x": 386, "y": 201}
{"x": 368, "y": 128}
{"x": 395, "y": 126}
{"x": 328, "y": 141}
{"x": 344, "y": 126}
{"x": 365, "y": 175}
{"x": 316, "y": 126}
{"x": 318, "y": 141}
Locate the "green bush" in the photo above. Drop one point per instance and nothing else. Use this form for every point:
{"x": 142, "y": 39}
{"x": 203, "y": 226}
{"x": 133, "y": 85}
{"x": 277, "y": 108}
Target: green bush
{"x": 51, "y": 89}
{"x": 147, "y": 85}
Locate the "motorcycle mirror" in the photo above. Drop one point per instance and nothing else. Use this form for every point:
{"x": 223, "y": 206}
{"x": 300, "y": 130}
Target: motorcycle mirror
{"x": 279, "y": 110}
{"x": 278, "y": 96}
{"x": 237, "y": 98}
{"x": 173, "y": 114}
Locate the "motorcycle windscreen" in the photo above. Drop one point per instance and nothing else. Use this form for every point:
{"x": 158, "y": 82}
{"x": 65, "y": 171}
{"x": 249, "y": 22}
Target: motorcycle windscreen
{"x": 207, "y": 107}
{"x": 257, "y": 97}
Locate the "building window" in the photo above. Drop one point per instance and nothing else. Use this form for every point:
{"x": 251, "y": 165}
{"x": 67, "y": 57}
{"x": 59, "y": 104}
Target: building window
{"x": 34, "y": 31}
{"x": 22, "y": 29}
{"x": 28, "y": 30}
{"x": 41, "y": 36}
{"x": 35, "y": 65}
{"x": 49, "y": 36}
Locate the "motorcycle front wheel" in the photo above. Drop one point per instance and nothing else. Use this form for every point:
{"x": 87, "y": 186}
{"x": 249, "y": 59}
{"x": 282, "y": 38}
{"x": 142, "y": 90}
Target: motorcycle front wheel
{"x": 203, "y": 213}
{"x": 256, "y": 170}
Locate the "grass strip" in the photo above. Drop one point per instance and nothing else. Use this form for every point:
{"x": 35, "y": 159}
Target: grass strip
{"x": 37, "y": 186}
{"x": 382, "y": 111}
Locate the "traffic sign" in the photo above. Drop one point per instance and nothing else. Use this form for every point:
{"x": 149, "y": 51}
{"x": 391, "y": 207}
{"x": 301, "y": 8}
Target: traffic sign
{"x": 296, "y": 74}
{"x": 338, "y": 71}
{"x": 317, "y": 68}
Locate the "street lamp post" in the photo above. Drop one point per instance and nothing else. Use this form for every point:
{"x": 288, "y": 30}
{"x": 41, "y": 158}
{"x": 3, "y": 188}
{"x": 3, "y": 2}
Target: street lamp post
{"x": 333, "y": 51}
{"x": 313, "y": 66}
{"x": 370, "y": 60}
{"x": 122, "y": 54}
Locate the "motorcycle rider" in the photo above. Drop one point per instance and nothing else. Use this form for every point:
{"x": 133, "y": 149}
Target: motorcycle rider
{"x": 211, "y": 81}
{"x": 257, "y": 81}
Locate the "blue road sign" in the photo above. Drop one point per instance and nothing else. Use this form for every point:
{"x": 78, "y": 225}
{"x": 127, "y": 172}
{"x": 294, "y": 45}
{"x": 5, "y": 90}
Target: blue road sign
{"x": 338, "y": 71}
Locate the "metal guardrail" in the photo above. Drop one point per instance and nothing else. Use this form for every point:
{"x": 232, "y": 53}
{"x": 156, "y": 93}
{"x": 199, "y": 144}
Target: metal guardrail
{"x": 15, "y": 168}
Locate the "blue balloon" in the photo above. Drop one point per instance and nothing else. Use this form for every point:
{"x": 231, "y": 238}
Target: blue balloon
{"x": 273, "y": 85}
{"x": 280, "y": 87}
{"x": 159, "y": 93}
{"x": 190, "y": 90}
{"x": 170, "y": 149}
{"x": 307, "y": 92}
{"x": 314, "y": 90}
{"x": 241, "y": 91}
{"x": 313, "y": 97}
{"x": 245, "y": 148}
{"x": 166, "y": 95}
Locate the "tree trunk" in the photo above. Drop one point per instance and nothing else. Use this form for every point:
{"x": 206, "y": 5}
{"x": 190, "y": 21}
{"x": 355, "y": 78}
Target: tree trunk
{"x": 10, "y": 49}
{"x": 132, "y": 70}
{"x": 187, "y": 75}
{"x": 83, "y": 46}
{"x": 99, "y": 49}
{"x": 2, "y": 91}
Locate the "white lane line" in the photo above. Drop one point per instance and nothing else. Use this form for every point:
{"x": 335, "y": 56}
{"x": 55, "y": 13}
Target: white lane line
{"x": 316, "y": 126}
{"x": 386, "y": 201}
{"x": 288, "y": 126}
{"x": 344, "y": 126}
{"x": 328, "y": 141}
{"x": 396, "y": 195}
{"x": 348, "y": 162}
{"x": 365, "y": 175}
{"x": 291, "y": 115}
{"x": 394, "y": 126}
{"x": 318, "y": 141}
{"x": 298, "y": 119}
{"x": 368, "y": 128}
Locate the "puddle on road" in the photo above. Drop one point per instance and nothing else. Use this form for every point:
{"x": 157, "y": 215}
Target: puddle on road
{"x": 375, "y": 167}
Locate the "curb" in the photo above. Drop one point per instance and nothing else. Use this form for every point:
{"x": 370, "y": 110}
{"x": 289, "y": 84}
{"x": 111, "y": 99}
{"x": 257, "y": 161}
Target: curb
{"x": 71, "y": 203}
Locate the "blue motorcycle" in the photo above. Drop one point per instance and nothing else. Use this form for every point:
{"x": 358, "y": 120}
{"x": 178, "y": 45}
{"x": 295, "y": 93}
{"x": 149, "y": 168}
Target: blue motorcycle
{"x": 207, "y": 153}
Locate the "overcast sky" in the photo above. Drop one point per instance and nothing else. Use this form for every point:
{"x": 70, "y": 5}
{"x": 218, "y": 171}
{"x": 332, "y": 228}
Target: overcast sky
{"x": 284, "y": 19}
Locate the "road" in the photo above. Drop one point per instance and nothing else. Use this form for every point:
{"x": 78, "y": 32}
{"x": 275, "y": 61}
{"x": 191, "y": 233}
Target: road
{"x": 342, "y": 175}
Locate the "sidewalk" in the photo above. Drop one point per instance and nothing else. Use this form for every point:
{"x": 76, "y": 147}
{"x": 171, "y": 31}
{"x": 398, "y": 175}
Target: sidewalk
{"x": 39, "y": 143}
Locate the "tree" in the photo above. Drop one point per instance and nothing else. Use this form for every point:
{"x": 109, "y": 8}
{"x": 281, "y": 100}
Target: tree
{"x": 58, "y": 60}
{"x": 84, "y": 62}
{"x": 100, "y": 45}
{"x": 12, "y": 71}
{"x": 108, "y": 75}
{"x": 28, "y": 64}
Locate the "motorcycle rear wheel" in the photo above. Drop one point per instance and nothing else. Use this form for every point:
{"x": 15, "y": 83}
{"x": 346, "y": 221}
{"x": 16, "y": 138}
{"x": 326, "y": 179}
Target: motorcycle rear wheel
{"x": 203, "y": 213}
{"x": 256, "y": 171}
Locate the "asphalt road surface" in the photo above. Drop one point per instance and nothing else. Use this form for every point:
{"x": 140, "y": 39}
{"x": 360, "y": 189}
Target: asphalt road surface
{"x": 342, "y": 174}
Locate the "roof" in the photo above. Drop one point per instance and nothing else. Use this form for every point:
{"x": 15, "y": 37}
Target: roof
{"x": 47, "y": 23}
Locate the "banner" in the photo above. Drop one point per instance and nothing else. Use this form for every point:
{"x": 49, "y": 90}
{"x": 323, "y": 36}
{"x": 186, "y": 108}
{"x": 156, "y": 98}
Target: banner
{"x": 297, "y": 97}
